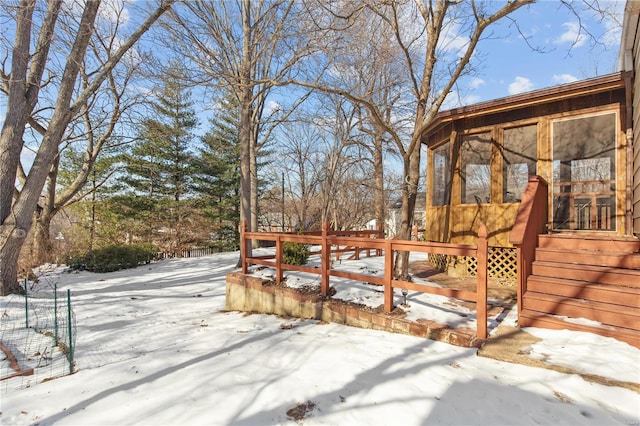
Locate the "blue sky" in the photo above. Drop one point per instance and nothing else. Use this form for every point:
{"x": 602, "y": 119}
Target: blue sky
{"x": 511, "y": 66}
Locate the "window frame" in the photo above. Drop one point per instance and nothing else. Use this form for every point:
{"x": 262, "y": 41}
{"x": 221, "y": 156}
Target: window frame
{"x": 616, "y": 197}
{"x": 461, "y": 175}
{"x": 448, "y": 179}
{"x": 501, "y": 143}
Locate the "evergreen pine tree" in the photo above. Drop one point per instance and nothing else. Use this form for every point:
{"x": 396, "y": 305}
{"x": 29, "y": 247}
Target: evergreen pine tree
{"x": 91, "y": 217}
{"x": 159, "y": 164}
{"x": 217, "y": 175}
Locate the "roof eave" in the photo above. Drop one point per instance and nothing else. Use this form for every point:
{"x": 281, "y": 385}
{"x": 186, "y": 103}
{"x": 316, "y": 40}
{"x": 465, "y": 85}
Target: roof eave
{"x": 537, "y": 97}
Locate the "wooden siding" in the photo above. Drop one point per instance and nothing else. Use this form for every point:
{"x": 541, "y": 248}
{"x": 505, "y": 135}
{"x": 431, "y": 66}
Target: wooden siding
{"x": 636, "y": 132}
{"x": 459, "y": 224}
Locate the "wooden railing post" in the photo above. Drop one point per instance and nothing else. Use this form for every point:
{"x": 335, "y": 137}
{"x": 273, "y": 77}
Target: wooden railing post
{"x": 388, "y": 276}
{"x": 243, "y": 246}
{"x": 481, "y": 290}
{"x": 325, "y": 260}
{"x": 279, "y": 255}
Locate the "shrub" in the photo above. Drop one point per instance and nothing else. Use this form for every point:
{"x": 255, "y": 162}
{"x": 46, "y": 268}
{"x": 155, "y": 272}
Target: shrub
{"x": 224, "y": 245}
{"x": 115, "y": 257}
{"x": 295, "y": 253}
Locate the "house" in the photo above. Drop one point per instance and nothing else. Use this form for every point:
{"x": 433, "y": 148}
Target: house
{"x": 394, "y": 215}
{"x": 566, "y": 158}
{"x": 630, "y": 62}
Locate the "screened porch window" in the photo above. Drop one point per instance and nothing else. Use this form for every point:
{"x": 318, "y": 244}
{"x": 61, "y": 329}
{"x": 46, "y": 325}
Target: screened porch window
{"x": 584, "y": 173}
{"x": 475, "y": 170}
{"x": 520, "y": 146}
{"x": 441, "y": 167}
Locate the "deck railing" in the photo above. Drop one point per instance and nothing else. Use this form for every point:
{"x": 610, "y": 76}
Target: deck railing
{"x": 531, "y": 220}
{"x": 336, "y": 242}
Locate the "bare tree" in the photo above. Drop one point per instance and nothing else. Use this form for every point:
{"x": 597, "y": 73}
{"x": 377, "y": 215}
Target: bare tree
{"x": 421, "y": 32}
{"x": 340, "y": 171}
{"x": 93, "y": 131}
{"x": 326, "y": 177}
{"x": 299, "y": 151}
{"x": 22, "y": 81}
{"x": 243, "y": 47}
{"x": 371, "y": 68}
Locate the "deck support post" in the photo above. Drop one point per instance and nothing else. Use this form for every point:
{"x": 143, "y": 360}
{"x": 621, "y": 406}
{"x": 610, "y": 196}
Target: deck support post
{"x": 481, "y": 289}
{"x": 243, "y": 246}
{"x": 325, "y": 263}
{"x": 388, "y": 276}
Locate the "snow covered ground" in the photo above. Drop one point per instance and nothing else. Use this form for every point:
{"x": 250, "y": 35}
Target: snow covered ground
{"x": 155, "y": 347}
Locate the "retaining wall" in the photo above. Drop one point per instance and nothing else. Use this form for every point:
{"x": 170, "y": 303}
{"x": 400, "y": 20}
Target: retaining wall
{"x": 247, "y": 293}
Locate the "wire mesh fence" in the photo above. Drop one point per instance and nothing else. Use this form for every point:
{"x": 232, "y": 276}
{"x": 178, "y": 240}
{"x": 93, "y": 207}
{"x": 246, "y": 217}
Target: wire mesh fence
{"x": 37, "y": 335}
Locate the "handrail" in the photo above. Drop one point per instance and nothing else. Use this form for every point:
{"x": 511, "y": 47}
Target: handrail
{"x": 384, "y": 247}
{"x": 524, "y": 217}
{"x": 578, "y": 210}
{"x": 531, "y": 220}
{"x": 578, "y": 191}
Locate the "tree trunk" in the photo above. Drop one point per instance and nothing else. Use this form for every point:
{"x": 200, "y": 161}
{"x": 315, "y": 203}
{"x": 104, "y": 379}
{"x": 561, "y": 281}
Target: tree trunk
{"x": 245, "y": 98}
{"x": 17, "y": 224}
{"x": 409, "y": 195}
{"x": 408, "y": 207}
{"x": 378, "y": 177}
{"x": 42, "y": 251}
{"x": 9, "y": 263}
{"x": 42, "y": 248}
{"x": 253, "y": 154}
{"x": 92, "y": 226}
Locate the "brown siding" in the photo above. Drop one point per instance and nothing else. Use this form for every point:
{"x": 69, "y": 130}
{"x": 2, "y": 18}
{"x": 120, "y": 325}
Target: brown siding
{"x": 459, "y": 223}
{"x": 636, "y": 133}
{"x": 437, "y": 225}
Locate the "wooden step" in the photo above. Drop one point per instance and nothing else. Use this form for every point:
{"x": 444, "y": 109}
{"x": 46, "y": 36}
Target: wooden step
{"x": 568, "y": 288}
{"x": 591, "y": 243}
{"x": 604, "y": 313}
{"x": 585, "y": 257}
{"x": 592, "y": 273}
{"x": 528, "y": 318}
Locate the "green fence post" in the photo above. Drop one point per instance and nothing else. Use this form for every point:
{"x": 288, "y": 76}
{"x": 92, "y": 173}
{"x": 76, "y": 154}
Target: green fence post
{"x": 70, "y": 332}
{"x": 55, "y": 314}
{"x": 26, "y": 305}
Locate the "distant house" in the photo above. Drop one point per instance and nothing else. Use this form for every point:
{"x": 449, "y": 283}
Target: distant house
{"x": 394, "y": 215}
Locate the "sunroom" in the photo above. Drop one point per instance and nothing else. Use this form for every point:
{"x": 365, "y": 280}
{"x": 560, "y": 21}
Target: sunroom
{"x": 573, "y": 136}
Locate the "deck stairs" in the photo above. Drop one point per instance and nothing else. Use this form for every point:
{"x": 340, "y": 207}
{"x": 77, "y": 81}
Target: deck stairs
{"x": 586, "y": 284}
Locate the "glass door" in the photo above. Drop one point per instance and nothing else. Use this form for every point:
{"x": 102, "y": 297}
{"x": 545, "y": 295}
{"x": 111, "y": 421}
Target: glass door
{"x": 584, "y": 173}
